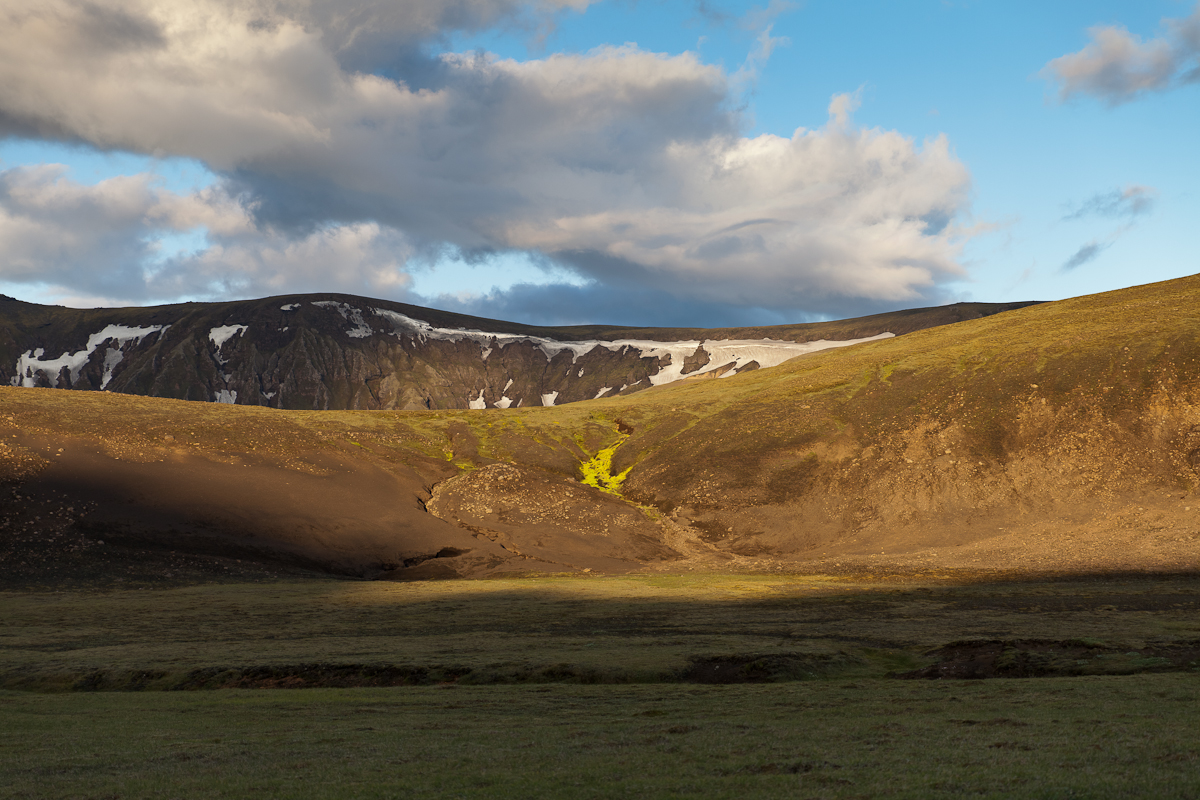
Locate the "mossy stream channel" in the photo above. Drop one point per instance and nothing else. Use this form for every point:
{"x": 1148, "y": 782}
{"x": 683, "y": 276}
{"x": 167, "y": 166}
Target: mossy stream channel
{"x": 597, "y": 471}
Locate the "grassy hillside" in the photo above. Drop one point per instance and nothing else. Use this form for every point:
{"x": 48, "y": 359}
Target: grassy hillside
{"x": 1060, "y": 436}
{"x": 1069, "y": 410}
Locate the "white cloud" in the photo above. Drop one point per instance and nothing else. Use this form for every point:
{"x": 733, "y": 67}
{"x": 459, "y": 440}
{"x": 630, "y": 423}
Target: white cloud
{"x": 775, "y": 222}
{"x": 1118, "y": 66}
{"x": 362, "y": 258}
{"x": 98, "y": 242}
{"x": 96, "y": 238}
{"x": 346, "y": 150}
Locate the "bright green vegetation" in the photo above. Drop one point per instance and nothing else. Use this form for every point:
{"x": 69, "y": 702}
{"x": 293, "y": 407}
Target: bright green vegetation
{"x": 1040, "y": 738}
{"x": 597, "y": 471}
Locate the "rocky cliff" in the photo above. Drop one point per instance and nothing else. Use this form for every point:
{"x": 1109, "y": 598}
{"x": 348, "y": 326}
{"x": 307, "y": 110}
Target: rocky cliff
{"x": 344, "y": 352}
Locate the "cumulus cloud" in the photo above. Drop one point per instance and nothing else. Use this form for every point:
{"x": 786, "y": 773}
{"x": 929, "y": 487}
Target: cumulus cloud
{"x": 347, "y": 146}
{"x": 362, "y": 258}
{"x": 102, "y": 241}
{"x": 98, "y": 238}
{"x": 1117, "y": 66}
{"x": 780, "y": 222}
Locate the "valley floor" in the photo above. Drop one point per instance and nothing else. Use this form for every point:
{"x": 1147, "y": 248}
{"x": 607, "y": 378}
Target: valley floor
{"x": 707, "y": 685}
{"x": 1109, "y": 737}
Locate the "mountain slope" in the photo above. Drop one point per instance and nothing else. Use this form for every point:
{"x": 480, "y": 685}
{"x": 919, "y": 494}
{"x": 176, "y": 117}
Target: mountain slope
{"x": 1081, "y": 416}
{"x": 1063, "y": 436}
{"x": 338, "y": 351}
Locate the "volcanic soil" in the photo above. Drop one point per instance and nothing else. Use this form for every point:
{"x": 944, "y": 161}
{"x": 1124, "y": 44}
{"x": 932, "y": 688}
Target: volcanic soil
{"x": 1061, "y": 438}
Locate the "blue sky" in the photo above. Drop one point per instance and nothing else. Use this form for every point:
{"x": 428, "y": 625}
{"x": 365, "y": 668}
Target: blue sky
{"x": 572, "y": 164}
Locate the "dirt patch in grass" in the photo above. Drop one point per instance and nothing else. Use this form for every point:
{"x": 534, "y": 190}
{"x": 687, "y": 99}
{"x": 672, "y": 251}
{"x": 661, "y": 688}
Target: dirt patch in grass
{"x": 769, "y": 668}
{"x": 1030, "y": 658}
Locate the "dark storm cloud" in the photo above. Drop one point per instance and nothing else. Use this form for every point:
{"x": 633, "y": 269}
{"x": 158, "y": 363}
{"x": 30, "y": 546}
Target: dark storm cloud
{"x": 635, "y": 306}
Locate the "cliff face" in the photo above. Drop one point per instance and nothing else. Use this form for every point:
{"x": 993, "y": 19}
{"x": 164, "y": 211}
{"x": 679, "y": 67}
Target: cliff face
{"x": 342, "y": 352}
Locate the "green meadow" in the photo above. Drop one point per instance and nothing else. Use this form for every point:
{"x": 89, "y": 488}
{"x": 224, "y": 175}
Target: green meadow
{"x": 592, "y": 687}
{"x": 1041, "y": 738}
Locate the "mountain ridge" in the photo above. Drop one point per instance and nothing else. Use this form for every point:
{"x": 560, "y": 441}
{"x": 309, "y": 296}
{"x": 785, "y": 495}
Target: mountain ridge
{"x": 330, "y": 351}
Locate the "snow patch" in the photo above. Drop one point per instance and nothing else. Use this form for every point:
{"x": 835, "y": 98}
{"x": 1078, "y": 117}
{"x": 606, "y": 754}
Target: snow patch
{"x": 289, "y": 307}
{"x": 478, "y": 402}
{"x": 225, "y": 396}
{"x": 505, "y": 389}
{"x": 112, "y": 357}
{"x": 602, "y": 392}
{"x": 580, "y": 375}
{"x": 223, "y": 334}
{"x": 268, "y": 395}
{"x": 354, "y": 316}
{"x": 424, "y": 331}
{"x": 549, "y": 398}
{"x": 32, "y": 360}
{"x": 503, "y": 402}
{"x": 738, "y": 352}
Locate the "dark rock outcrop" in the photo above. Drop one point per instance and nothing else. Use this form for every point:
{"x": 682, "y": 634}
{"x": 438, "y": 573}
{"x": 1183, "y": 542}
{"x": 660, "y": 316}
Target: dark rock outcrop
{"x": 343, "y": 352}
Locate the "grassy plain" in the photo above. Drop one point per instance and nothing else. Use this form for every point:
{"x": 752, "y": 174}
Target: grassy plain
{"x": 639, "y": 628}
{"x": 588, "y": 689}
{"x": 1041, "y": 738}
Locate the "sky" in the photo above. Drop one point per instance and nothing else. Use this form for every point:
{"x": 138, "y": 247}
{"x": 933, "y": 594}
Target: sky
{"x": 635, "y": 162}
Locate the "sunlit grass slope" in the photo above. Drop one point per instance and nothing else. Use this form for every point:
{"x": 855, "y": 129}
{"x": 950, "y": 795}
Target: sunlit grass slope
{"x": 1068, "y": 411}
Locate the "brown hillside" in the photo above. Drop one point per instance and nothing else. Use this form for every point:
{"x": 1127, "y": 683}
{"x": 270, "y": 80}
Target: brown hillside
{"x": 1060, "y": 437}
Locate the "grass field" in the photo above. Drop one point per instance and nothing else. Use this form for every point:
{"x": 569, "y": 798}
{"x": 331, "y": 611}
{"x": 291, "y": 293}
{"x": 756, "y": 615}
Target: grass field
{"x": 586, "y": 689}
{"x": 640, "y": 628}
{"x": 1042, "y": 738}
